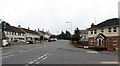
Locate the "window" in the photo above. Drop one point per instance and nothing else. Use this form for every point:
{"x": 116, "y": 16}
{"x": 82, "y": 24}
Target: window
{"x": 91, "y": 42}
{"x": 84, "y": 36}
{"x": 11, "y": 39}
{"x": 9, "y": 33}
{"x": 114, "y": 42}
{"x": 15, "y": 33}
{"x": 12, "y": 33}
{"x": 114, "y": 29}
{"x": 19, "y": 34}
{"x": 109, "y": 30}
{"x": 102, "y": 30}
{"x": 6, "y": 33}
{"x": 23, "y": 34}
{"x": 91, "y": 31}
{"x": 95, "y": 31}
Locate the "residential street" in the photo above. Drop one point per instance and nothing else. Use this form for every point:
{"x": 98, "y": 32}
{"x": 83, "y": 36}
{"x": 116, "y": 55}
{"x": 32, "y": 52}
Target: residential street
{"x": 58, "y": 52}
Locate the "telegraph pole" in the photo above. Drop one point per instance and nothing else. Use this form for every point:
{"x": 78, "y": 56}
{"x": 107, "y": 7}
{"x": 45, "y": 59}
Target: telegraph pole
{"x": 70, "y": 26}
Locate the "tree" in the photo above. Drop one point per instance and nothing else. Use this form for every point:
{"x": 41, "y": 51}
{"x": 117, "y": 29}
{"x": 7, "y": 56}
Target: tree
{"x": 61, "y": 36}
{"x": 76, "y": 35}
{"x": 67, "y": 35}
{"x": 77, "y": 31}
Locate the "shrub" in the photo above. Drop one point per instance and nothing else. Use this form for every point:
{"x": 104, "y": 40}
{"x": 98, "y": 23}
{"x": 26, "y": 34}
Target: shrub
{"x": 75, "y": 37}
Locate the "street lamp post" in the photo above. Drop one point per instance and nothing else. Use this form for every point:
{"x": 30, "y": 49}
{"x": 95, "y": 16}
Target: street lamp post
{"x": 70, "y": 26}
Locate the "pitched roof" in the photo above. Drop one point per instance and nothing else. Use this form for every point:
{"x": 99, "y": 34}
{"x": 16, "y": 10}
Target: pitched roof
{"x": 12, "y": 28}
{"x": 42, "y": 32}
{"x": 100, "y": 34}
{"x": 107, "y": 23}
{"x": 30, "y": 31}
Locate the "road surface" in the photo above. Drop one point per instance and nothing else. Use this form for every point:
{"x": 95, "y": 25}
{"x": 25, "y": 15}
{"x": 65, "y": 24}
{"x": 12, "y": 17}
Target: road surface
{"x": 51, "y": 53}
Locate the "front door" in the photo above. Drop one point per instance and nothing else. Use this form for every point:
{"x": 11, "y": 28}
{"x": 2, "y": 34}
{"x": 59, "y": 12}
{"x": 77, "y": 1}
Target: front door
{"x": 99, "y": 42}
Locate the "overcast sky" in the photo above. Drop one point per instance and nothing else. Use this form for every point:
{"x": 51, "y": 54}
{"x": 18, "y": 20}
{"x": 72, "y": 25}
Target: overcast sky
{"x": 52, "y": 15}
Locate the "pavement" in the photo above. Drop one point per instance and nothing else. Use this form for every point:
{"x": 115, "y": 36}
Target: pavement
{"x": 70, "y": 47}
{"x": 58, "y": 52}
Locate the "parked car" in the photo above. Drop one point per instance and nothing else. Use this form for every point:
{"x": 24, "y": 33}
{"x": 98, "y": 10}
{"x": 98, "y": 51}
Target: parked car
{"x": 30, "y": 42}
{"x": 5, "y": 42}
{"x": 52, "y": 39}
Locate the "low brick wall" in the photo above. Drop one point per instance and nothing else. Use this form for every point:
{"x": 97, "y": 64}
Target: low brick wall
{"x": 80, "y": 44}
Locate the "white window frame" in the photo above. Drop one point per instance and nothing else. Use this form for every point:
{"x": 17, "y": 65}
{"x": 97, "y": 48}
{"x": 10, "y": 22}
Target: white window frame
{"x": 114, "y": 42}
{"x": 114, "y": 29}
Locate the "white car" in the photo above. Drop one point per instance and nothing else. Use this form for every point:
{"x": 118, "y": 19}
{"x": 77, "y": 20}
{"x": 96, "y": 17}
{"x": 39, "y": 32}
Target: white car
{"x": 5, "y": 43}
{"x": 54, "y": 39}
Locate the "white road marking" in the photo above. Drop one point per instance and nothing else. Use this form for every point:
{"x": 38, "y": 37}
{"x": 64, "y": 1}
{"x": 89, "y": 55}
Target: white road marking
{"x": 12, "y": 52}
{"x": 7, "y": 53}
{"x": 43, "y": 57}
{"x": 92, "y": 51}
{"x": 27, "y": 50}
{"x": 110, "y": 62}
{"x": 37, "y": 62}
{"x": 8, "y": 56}
{"x": 31, "y": 62}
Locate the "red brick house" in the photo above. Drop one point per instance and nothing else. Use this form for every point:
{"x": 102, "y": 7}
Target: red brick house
{"x": 105, "y": 34}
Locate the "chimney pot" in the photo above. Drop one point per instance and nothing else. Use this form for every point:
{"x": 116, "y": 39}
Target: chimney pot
{"x": 28, "y": 28}
{"x": 19, "y": 25}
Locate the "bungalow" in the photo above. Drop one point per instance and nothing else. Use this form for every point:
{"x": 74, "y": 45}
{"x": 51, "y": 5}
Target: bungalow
{"x": 105, "y": 34}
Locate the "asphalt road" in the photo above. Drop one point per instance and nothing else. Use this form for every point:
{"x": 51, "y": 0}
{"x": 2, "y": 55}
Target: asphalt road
{"x": 51, "y": 53}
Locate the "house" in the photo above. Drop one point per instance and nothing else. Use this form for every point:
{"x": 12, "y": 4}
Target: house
{"x": 84, "y": 35}
{"x": 13, "y": 33}
{"x": 45, "y": 35}
{"x": 19, "y": 34}
{"x": 105, "y": 34}
{"x": 30, "y": 35}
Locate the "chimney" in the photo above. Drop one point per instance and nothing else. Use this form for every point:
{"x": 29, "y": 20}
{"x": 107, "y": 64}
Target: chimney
{"x": 35, "y": 30}
{"x": 92, "y": 25}
{"x": 43, "y": 30}
{"x": 38, "y": 29}
{"x": 28, "y": 28}
{"x": 19, "y": 26}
